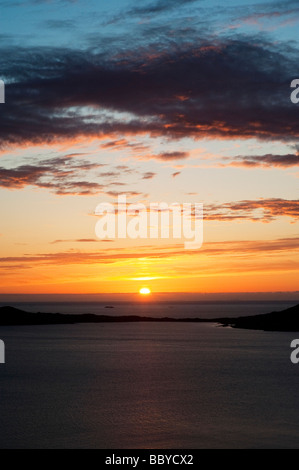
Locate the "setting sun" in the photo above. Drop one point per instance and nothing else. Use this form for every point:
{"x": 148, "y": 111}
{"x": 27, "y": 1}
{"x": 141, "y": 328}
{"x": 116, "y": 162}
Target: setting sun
{"x": 144, "y": 291}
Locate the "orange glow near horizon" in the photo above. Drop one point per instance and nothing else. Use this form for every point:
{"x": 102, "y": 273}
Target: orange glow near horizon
{"x": 241, "y": 251}
{"x": 212, "y": 269}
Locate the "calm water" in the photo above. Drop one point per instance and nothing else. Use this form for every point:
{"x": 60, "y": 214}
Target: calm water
{"x": 114, "y": 386}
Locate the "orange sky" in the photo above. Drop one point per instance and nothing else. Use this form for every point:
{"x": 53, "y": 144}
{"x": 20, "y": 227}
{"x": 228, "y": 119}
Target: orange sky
{"x": 160, "y": 107}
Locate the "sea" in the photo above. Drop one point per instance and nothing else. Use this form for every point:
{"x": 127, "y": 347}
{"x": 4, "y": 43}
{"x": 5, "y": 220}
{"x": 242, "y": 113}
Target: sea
{"x": 149, "y": 385}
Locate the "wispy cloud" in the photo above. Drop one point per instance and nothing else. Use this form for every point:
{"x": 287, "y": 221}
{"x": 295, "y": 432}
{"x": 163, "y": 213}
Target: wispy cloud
{"x": 150, "y": 9}
{"x": 70, "y": 175}
{"x": 260, "y": 210}
{"x": 149, "y": 175}
{"x": 257, "y": 210}
{"x": 60, "y": 175}
{"x": 264, "y": 161}
{"x": 129, "y": 194}
{"x": 165, "y": 156}
{"x": 160, "y": 6}
{"x": 236, "y": 248}
{"x": 80, "y": 240}
{"x": 271, "y": 10}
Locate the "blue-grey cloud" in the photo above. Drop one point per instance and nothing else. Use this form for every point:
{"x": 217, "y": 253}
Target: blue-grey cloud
{"x": 228, "y": 89}
{"x": 160, "y": 6}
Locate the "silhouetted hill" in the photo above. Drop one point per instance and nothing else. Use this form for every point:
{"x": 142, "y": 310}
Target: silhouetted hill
{"x": 286, "y": 320}
{"x": 13, "y": 316}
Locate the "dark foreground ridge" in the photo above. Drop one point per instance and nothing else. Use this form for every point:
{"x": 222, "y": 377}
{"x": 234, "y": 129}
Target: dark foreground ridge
{"x": 286, "y": 320}
{"x": 12, "y": 316}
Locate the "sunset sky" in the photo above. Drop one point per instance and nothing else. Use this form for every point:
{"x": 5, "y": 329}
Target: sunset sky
{"x": 168, "y": 100}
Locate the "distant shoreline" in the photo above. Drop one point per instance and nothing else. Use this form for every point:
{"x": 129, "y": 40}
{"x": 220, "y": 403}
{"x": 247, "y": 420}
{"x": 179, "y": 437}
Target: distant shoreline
{"x": 286, "y": 320}
{"x": 156, "y": 297}
{"x": 10, "y": 316}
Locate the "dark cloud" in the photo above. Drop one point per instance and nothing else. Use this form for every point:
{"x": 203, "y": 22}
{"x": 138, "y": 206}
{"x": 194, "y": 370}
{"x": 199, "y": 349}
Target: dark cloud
{"x": 164, "y": 156}
{"x": 265, "y": 161}
{"x": 172, "y": 156}
{"x": 160, "y": 6}
{"x": 149, "y": 175}
{"x": 233, "y": 89}
{"x": 261, "y": 210}
{"x": 66, "y": 175}
{"x": 108, "y": 174}
{"x": 59, "y": 175}
{"x": 120, "y": 144}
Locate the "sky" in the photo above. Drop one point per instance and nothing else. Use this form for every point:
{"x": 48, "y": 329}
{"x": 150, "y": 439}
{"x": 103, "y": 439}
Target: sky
{"x": 184, "y": 101}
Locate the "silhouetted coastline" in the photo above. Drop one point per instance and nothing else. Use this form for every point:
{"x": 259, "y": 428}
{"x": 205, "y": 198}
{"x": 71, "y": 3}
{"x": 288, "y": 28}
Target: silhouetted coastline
{"x": 10, "y": 316}
{"x": 286, "y": 320}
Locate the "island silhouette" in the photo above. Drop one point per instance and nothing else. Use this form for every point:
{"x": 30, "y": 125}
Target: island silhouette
{"x": 285, "y": 320}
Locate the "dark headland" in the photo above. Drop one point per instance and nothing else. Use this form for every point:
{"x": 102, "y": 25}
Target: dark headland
{"x": 286, "y": 320}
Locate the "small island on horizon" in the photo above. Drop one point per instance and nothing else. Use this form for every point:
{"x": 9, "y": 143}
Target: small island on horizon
{"x": 286, "y": 320}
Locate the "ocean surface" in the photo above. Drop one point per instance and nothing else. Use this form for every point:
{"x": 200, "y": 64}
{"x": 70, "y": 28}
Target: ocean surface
{"x": 149, "y": 385}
